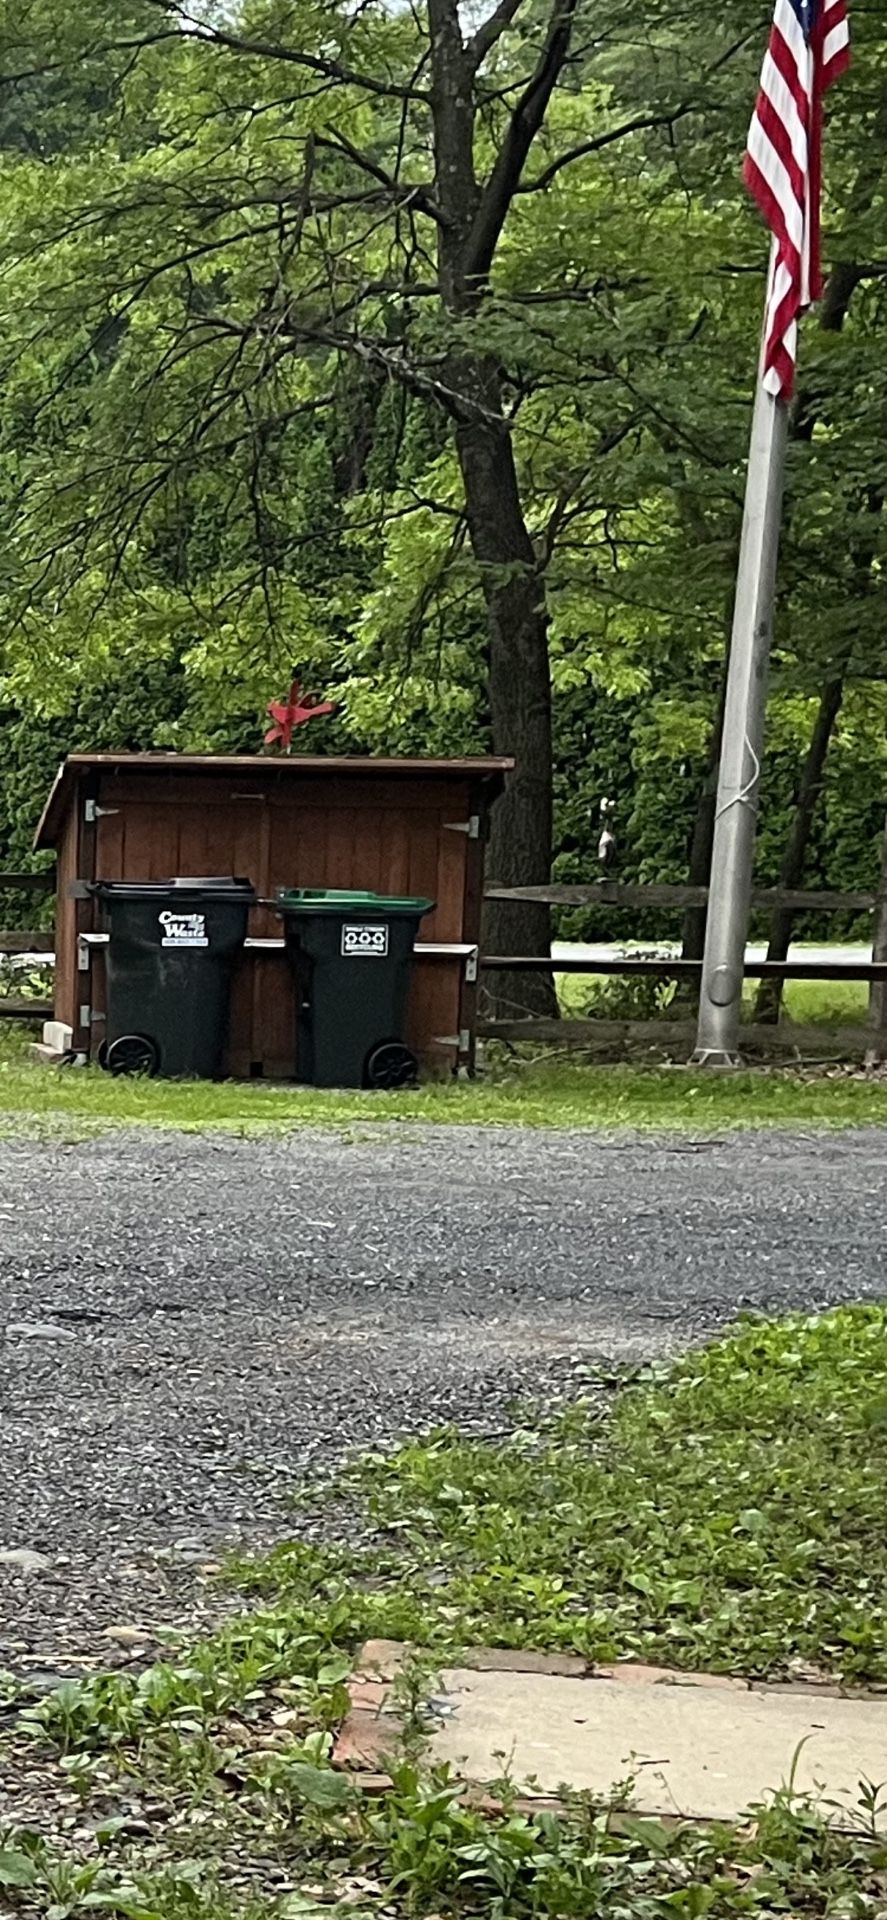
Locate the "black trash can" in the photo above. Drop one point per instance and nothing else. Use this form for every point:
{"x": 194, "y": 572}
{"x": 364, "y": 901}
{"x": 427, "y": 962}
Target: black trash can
{"x": 353, "y": 953}
{"x": 171, "y": 947}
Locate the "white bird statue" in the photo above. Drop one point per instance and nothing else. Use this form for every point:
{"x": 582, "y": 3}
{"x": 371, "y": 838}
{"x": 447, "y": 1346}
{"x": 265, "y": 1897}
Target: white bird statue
{"x": 606, "y": 846}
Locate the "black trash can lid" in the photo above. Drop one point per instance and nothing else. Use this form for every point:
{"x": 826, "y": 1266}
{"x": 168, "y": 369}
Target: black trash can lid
{"x": 153, "y": 889}
{"x": 344, "y": 900}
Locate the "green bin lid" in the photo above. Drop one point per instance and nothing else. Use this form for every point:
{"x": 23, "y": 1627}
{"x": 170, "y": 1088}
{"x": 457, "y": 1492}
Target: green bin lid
{"x": 343, "y": 900}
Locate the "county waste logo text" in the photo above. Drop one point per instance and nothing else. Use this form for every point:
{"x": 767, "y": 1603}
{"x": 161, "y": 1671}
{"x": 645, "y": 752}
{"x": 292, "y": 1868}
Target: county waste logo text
{"x": 183, "y": 930}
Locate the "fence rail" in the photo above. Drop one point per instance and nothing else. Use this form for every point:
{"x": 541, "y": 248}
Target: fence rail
{"x": 675, "y": 968}
{"x": 27, "y": 882}
{"x": 679, "y": 1035}
{"x": 29, "y": 940}
{"x": 661, "y": 1033}
{"x": 620, "y": 893}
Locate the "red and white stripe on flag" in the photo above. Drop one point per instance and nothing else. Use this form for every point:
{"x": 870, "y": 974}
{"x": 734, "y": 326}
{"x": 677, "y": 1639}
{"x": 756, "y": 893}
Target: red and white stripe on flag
{"x": 809, "y": 47}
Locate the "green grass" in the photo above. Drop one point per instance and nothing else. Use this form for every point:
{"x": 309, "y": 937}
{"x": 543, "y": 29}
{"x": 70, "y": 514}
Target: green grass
{"x": 522, "y": 1093}
{"x": 729, "y": 1515}
{"x": 730, "y": 1518}
{"x": 826, "y": 1003}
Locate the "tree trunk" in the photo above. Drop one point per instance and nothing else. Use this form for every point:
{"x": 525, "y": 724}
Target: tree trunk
{"x": 768, "y": 999}
{"x": 686, "y": 997}
{"x": 518, "y": 667}
{"x": 878, "y": 989}
{"x": 520, "y": 694}
{"x": 699, "y": 857}
{"x": 358, "y": 416}
{"x": 702, "y": 837}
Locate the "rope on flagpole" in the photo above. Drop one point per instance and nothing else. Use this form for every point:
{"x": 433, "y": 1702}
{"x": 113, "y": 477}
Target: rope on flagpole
{"x": 743, "y": 797}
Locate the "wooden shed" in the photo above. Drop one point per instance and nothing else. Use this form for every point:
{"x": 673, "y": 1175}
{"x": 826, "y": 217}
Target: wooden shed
{"x": 391, "y": 826}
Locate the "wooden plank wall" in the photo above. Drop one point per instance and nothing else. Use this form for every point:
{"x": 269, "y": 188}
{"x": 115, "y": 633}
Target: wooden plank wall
{"x": 385, "y": 835}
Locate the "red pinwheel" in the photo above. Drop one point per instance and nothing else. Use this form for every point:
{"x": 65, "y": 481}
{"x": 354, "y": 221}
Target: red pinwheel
{"x": 293, "y": 712}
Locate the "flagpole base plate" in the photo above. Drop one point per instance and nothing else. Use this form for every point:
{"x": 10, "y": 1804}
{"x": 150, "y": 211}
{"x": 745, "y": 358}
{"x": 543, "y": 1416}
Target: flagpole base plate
{"x": 720, "y": 1059}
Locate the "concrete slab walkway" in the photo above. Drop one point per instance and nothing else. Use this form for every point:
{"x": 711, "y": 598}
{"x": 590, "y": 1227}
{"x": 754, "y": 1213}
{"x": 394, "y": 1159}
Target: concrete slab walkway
{"x": 695, "y": 1746}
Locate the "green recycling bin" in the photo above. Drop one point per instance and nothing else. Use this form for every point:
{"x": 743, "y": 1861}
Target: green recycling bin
{"x": 353, "y": 953}
{"x": 171, "y": 948}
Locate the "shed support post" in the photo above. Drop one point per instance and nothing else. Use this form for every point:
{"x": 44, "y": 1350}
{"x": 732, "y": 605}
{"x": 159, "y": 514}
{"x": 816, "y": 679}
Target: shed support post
{"x": 85, "y": 912}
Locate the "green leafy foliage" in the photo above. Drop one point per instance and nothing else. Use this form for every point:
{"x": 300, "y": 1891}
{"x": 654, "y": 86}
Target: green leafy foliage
{"x": 228, "y": 441}
{"x": 729, "y": 1518}
{"x": 237, "y": 1669}
{"x": 421, "y": 1851}
{"x": 17, "y": 1869}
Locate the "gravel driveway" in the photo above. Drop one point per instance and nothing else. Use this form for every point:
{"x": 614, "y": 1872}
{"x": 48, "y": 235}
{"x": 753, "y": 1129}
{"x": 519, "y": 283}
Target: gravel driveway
{"x": 187, "y": 1323}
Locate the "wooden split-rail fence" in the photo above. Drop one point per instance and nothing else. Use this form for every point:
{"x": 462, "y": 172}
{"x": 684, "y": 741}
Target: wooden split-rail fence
{"x": 676, "y": 1035}
{"x": 28, "y": 940}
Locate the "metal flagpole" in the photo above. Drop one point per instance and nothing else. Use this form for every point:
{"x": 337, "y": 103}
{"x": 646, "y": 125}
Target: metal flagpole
{"x": 742, "y": 738}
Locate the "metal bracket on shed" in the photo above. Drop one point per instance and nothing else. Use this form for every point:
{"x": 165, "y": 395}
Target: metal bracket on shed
{"x": 471, "y": 827}
{"x": 92, "y": 811}
{"x": 85, "y": 944}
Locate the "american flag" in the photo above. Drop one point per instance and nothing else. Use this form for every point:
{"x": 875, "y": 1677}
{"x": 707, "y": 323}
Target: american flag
{"x": 809, "y": 48}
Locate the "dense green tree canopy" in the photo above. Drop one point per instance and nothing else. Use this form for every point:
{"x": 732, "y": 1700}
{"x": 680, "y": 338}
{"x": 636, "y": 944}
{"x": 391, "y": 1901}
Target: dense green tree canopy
{"x": 414, "y": 344}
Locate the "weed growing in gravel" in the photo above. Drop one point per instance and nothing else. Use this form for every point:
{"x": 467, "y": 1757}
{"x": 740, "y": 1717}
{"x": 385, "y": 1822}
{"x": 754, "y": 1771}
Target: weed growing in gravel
{"x": 729, "y": 1517}
{"x": 428, "y": 1847}
{"x": 238, "y": 1670}
{"x": 422, "y": 1851}
{"x": 36, "y": 1879}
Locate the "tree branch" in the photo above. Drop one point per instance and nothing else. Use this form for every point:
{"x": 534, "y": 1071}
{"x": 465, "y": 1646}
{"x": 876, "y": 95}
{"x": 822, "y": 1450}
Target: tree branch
{"x": 492, "y": 30}
{"x": 643, "y": 123}
{"x": 216, "y": 36}
{"x": 390, "y": 360}
{"x": 98, "y": 51}
{"x": 419, "y": 195}
{"x": 337, "y": 142}
{"x": 523, "y": 127}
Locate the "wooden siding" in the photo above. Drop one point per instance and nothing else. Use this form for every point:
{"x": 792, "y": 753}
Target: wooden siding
{"x": 387, "y": 832}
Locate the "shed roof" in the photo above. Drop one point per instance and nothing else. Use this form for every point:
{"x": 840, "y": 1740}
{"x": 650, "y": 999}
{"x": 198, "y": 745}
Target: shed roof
{"x": 490, "y": 771}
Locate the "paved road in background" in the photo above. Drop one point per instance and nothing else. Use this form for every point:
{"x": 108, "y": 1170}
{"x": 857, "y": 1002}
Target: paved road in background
{"x": 606, "y": 950}
{"x": 188, "y": 1324}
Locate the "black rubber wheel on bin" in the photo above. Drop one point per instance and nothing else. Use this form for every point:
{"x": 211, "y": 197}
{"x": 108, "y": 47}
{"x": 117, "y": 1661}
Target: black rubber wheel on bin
{"x": 391, "y": 1064}
{"x": 132, "y": 1053}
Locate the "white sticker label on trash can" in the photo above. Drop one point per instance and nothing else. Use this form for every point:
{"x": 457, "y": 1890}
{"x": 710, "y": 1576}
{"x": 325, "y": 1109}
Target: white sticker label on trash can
{"x": 363, "y": 942}
{"x": 183, "y": 930}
